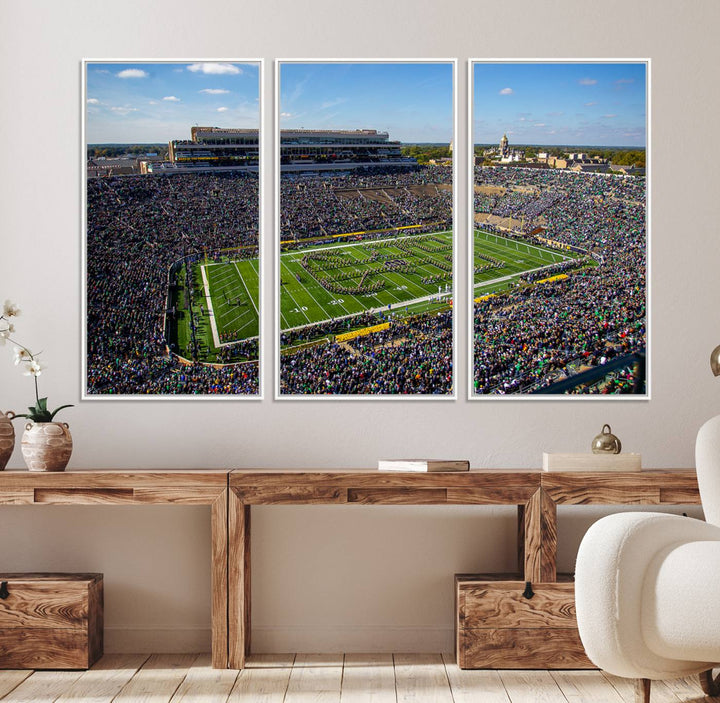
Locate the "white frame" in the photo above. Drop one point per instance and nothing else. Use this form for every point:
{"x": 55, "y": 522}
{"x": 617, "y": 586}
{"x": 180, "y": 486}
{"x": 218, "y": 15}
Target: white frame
{"x": 472, "y": 396}
{"x": 84, "y": 395}
{"x": 276, "y": 259}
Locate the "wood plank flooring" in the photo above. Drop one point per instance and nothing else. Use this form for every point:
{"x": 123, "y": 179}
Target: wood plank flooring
{"x": 323, "y": 678}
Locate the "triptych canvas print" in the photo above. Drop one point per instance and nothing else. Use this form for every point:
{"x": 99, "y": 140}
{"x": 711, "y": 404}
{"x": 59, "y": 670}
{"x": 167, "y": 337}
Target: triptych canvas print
{"x": 365, "y": 239}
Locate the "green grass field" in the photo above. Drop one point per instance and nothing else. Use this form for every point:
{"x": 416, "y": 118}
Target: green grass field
{"x": 408, "y": 274}
{"x": 224, "y": 308}
{"x": 307, "y": 300}
{"x": 514, "y": 258}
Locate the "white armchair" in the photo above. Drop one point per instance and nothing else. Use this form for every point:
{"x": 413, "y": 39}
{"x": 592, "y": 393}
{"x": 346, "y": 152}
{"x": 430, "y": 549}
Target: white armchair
{"x": 647, "y": 586}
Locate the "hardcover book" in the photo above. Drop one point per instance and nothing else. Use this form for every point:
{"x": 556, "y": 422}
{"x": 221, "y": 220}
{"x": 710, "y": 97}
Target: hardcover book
{"x": 592, "y": 462}
{"x": 422, "y": 465}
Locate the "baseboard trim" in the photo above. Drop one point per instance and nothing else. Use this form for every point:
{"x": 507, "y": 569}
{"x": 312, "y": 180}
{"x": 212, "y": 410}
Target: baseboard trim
{"x": 277, "y": 640}
{"x": 147, "y": 640}
{"x": 352, "y": 638}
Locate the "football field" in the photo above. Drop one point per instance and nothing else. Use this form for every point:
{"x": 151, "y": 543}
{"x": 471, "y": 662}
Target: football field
{"x": 223, "y": 305}
{"x": 500, "y": 261}
{"x": 405, "y": 275}
{"x": 233, "y": 289}
{"x": 401, "y": 274}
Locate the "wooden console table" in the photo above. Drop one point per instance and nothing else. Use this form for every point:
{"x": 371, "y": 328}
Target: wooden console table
{"x": 231, "y": 495}
{"x": 537, "y": 495}
{"x": 201, "y": 487}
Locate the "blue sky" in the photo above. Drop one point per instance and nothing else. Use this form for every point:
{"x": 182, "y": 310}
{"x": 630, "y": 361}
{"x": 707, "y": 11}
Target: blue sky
{"x": 413, "y": 102}
{"x": 157, "y": 102}
{"x": 599, "y": 104}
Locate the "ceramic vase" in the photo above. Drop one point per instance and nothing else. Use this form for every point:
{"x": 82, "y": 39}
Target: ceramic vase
{"x": 46, "y": 446}
{"x": 7, "y": 437}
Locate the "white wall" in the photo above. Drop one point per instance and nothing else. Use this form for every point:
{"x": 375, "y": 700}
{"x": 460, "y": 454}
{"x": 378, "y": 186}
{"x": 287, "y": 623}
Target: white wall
{"x": 366, "y": 577}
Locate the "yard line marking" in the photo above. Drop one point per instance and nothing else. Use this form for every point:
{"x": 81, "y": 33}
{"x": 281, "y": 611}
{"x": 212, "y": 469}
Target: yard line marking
{"x": 240, "y": 315}
{"x": 533, "y": 246}
{"x": 501, "y": 252}
{"x": 512, "y": 275}
{"x": 367, "y": 242}
{"x": 213, "y": 324}
{"x": 252, "y": 300}
{"x": 405, "y": 303}
{"x": 307, "y": 290}
{"x": 297, "y": 305}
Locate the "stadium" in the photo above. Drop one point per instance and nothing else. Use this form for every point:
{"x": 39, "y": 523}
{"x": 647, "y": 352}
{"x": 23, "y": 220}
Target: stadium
{"x": 173, "y": 268}
{"x": 366, "y": 270}
{"x": 155, "y": 244}
{"x": 300, "y": 149}
{"x": 573, "y": 325}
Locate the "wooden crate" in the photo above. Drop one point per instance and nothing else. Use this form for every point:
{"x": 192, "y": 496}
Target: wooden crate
{"x": 497, "y": 627}
{"x": 50, "y": 621}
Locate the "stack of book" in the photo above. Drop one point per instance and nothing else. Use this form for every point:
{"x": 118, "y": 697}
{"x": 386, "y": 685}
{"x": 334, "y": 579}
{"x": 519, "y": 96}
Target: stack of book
{"x": 592, "y": 462}
{"x": 422, "y": 465}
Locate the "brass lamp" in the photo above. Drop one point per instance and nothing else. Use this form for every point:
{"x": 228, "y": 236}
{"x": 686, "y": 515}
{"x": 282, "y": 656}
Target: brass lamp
{"x": 715, "y": 360}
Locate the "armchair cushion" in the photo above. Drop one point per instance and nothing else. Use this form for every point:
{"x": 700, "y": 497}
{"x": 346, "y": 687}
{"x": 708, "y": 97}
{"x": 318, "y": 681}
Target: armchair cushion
{"x": 681, "y": 602}
{"x": 623, "y": 580}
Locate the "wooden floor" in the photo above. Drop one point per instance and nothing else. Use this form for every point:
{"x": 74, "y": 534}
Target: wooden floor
{"x": 352, "y": 678}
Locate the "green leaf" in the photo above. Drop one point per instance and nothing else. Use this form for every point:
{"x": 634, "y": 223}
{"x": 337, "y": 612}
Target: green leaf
{"x": 42, "y": 404}
{"x": 57, "y": 410}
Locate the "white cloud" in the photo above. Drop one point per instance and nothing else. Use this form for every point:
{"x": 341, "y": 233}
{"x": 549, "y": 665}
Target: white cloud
{"x": 222, "y": 109}
{"x": 332, "y": 103}
{"x": 93, "y": 101}
{"x": 609, "y": 117}
{"x": 587, "y": 81}
{"x": 214, "y": 68}
{"x": 171, "y": 99}
{"x": 620, "y": 81}
{"x": 539, "y": 124}
{"x": 214, "y": 91}
{"x": 125, "y": 110}
{"x": 590, "y": 104}
{"x": 152, "y": 102}
{"x": 132, "y": 73}
{"x": 506, "y": 91}
{"x": 286, "y": 114}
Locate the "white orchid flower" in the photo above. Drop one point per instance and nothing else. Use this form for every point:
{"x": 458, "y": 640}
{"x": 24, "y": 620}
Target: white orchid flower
{"x": 5, "y": 334}
{"x": 22, "y": 355}
{"x": 10, "y": 309}
{"x": 33, "y": 368}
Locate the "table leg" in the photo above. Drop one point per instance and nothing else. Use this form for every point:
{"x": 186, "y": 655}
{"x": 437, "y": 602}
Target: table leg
{"x": 219, "y": 615}
{"x": 238, "y": 581}
{"x": 537, "y": 538}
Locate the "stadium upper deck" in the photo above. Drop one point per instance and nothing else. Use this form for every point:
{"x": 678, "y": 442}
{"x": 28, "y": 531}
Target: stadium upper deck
{"x": 300, "y": 149}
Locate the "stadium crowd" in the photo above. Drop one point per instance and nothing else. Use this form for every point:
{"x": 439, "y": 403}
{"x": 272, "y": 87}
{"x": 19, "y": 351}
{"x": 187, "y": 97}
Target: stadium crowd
{"x": 413, "y": 356}
{"x": 137, "y": 228}
{"x": 363, "y": 201}
{"x": 535, "y": 334}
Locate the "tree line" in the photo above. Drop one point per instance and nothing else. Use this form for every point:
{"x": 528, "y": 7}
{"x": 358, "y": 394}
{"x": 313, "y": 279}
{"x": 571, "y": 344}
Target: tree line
{"x": 95, "y": 151}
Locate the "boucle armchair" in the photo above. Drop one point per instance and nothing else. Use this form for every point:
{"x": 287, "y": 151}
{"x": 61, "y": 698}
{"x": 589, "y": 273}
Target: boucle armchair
{"x": 647, "y": 586}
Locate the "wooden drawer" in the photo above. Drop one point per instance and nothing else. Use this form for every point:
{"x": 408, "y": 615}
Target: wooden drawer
{"x": 51, "y": 621}
{"x": 499, "y": 627}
